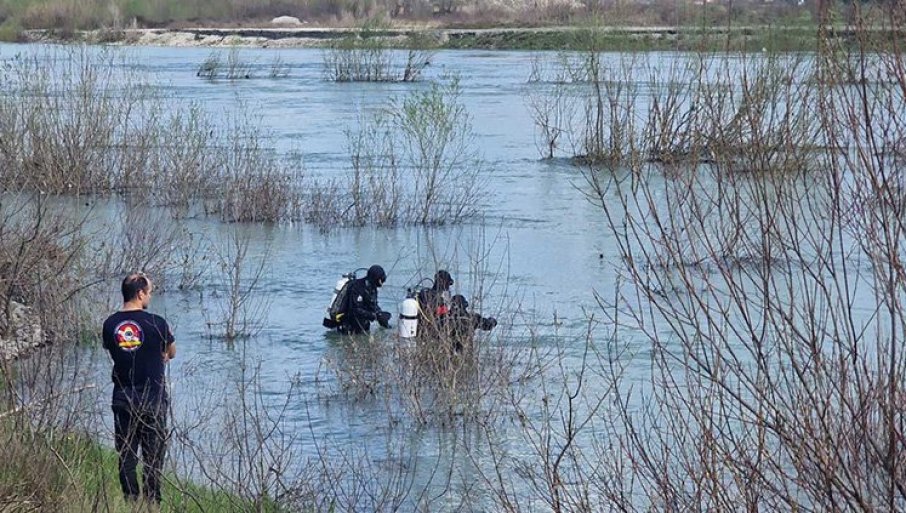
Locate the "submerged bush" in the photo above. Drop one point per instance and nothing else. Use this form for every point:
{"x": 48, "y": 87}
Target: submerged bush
{"x": 368, "y": 56}
{"x": 411, "y": 163}
{"x": 74, "y": 122}
{"x": 234, "y": 68}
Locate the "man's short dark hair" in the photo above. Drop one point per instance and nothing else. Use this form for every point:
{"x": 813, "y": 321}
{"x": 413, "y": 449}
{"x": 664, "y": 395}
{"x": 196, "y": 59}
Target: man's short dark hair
{"x": 132, "y": 284}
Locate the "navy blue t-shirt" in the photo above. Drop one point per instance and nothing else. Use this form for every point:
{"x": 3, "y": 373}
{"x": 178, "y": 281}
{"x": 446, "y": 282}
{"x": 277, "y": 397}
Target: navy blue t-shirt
{"x": 136, "y": 341}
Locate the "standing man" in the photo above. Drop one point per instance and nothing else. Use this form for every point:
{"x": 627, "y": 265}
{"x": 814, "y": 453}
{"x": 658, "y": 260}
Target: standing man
{"x": 140, "y": 345}
{"x": 363, "y": 306}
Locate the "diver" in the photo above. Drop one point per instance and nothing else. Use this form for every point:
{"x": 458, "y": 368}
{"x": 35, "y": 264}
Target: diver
{"x": 362, "y": 303}
{"x": 433, "y": 302}
{"x": 459, "y": 325}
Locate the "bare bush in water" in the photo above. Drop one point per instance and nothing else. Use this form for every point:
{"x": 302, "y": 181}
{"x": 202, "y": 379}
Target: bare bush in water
{"x": 365, "y": 56}
{"x": 617, "y": 107}
{"x": 235, "y": 67}
{"x": 211, "y": 67}
{"x": 74, "y": 122}
{"x": 279, "y": 67}
{"x": 412, "y": 163}
{"x": 552, "y": 105}
{"x": 587, "y": 102}
{"x": 426, "y": 383}
{"x": 774, "y": 361}
{"x": 255, "y": 184}
{"x": 241, "y": 309}
{"x": 43, "y": 248}
{"x": 375, "y": 191}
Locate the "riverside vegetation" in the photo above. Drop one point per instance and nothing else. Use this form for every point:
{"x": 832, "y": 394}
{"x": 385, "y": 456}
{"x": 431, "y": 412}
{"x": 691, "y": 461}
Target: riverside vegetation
{"x": 66, "y": 16}
{"x": 757, "y": 202}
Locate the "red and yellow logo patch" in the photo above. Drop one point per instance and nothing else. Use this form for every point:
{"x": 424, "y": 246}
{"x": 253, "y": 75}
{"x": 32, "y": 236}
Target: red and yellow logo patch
{"x": 128, "y": 336}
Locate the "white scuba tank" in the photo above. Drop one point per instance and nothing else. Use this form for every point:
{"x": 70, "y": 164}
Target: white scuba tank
{"x": 333, "y": 299}
{"x": 408, "y": 319}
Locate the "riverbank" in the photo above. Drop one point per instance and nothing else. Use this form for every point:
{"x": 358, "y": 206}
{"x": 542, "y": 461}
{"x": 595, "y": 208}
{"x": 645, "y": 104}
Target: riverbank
{"x": 70, "y": 473}
{"x": 635, "y": 38}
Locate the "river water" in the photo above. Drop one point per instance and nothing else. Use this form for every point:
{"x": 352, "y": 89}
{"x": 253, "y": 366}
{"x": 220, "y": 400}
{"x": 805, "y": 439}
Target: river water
{"x": 545, "y": 250}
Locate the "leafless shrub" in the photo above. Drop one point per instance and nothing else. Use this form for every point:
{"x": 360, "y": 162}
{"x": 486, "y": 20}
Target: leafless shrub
{"x": 279, "y": 67}
{"x": 552, "y": 105}
{"x": 236, "y": 67}
{"x": 241, "y": 311}
{"x": 186, "y": 170}
{"x": 773, "y": 127}
{"x": 48, "y": 144}
{"x": 413, "y": 163}
{"x": 255, "y": 185}
{"x": 74, "y": 123}
{"x": 670, "y": 133}
{"x": 365, "y": 56}
{"x": 359, "y": 62}
{"x": 148, "y": 239}
{"x": 774, "y": 384}
{"x": 41, "y": 249}
{"x": 375, "y": 188}
{"x": 588, "y": 86}
{"x": 210, "y": 69}
{"x": 248, "y": 454}
{"x": 326, "y": 204}
{"x": 609, "y": 129}
{"x": 353, "y": 61}
{"x": 558, "y": 470}
{"x": 694, "y": 110}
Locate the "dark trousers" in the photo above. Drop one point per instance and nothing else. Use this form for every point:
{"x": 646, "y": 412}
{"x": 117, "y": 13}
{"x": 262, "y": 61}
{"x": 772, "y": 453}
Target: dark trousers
{"x": 140, "y": 425}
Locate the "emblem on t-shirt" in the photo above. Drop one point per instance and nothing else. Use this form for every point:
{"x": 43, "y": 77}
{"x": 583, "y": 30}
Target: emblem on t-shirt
{"x": 128, "y": 336}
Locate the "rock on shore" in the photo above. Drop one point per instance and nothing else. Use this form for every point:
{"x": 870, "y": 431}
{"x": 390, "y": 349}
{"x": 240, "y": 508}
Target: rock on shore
{"x": 291, "y": 21}
{"x": 23, "y": 333}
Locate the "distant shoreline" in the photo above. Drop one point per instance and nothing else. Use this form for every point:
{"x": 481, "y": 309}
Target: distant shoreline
{"x": 633, "y": 38}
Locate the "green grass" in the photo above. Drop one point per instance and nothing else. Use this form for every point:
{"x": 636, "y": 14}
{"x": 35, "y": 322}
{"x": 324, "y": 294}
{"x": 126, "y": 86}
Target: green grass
{"x": 682, "y": 39}
{"x": 71, "y": 473}
{"x": 11, "y": 30}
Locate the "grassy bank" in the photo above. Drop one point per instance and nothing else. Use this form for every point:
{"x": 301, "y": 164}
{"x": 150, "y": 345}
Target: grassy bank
{"x": 69, "y": 473}
{"x": 678, "y": 39}
{"x": 92, "y": 14}
{"x": 747, "y": 39}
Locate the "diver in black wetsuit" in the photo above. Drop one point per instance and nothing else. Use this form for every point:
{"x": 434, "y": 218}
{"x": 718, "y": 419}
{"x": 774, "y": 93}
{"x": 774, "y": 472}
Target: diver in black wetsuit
{"x": 362, "y": 303}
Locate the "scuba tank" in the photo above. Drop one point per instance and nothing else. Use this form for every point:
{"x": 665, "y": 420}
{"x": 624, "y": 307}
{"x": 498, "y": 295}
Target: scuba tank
{"x": 333, "y": 316}
{"x": 410, "y": 310}
{"x": 408, "y": 316}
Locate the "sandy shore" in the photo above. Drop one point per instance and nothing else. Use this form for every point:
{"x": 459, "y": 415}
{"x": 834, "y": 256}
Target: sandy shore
{"x": 318, "y": 37}
{"x": 627, "y": 38}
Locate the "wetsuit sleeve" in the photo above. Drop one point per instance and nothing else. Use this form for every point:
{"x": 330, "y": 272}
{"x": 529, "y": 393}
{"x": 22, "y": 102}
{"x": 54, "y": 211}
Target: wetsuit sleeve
{"x": 376, "y": 307}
